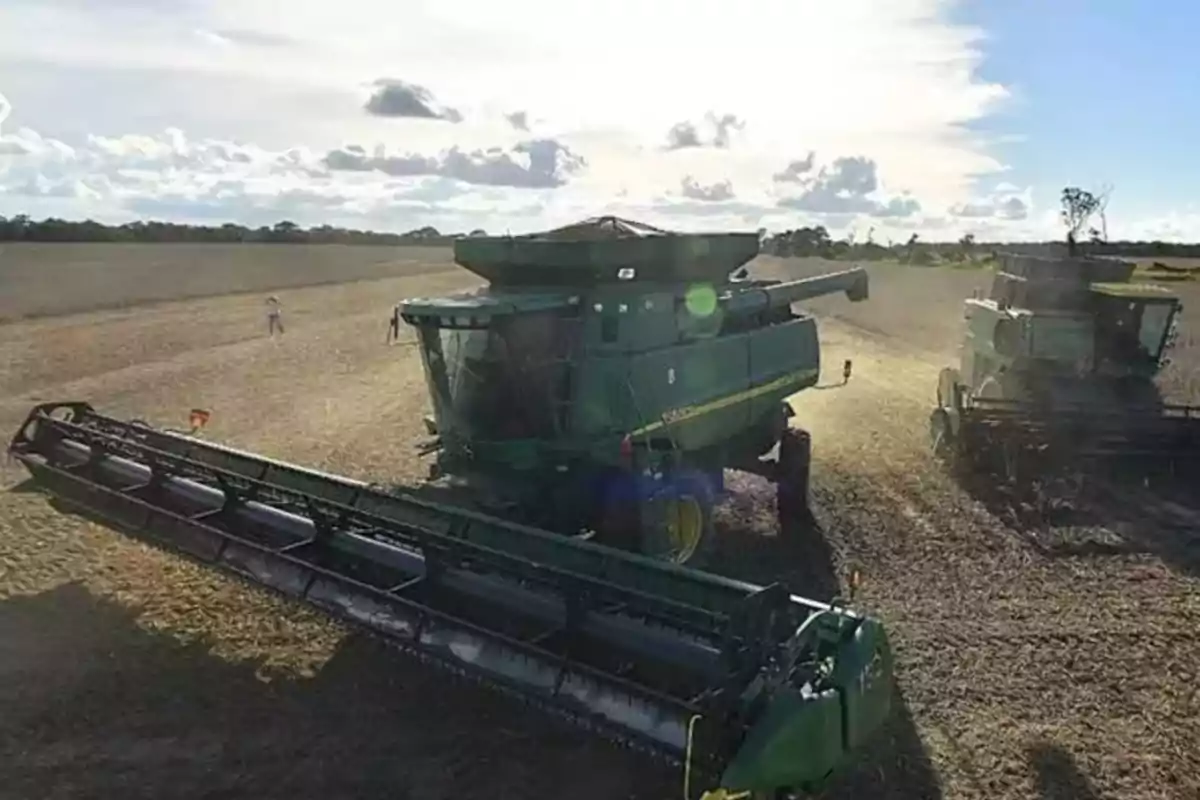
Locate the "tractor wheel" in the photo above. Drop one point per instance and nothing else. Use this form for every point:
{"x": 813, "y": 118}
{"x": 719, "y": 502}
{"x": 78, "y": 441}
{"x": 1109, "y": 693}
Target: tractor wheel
{"x": 791, "y": 487}
{"x": 677, "y": 520}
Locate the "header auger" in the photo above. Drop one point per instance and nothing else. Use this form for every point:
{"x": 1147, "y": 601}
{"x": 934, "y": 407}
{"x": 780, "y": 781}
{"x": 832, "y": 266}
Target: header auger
{"x": 1058, "y": 371}
{"x": 750, "y": 688}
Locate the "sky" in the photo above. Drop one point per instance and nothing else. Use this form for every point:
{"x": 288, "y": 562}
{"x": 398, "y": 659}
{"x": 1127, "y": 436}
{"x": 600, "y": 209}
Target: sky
{"x": 871, "y": 118}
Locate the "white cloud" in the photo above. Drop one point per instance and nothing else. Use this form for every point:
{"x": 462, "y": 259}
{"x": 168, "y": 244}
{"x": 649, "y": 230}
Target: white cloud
{"x": 796, "y": 170}
{"x": 848, "y": 186}
{"x": 396, "y": 98}
{"x": 532, "y": 183}
{"x": 712, "y": 193}
{"x": 518, "y": 119}
{"x": 531, "y": 164}
{"x": 209, "y": 179}
{"x": 1004, "y": 202}
{"x": 400, "y": 110}
{"x": 712, "y": 131}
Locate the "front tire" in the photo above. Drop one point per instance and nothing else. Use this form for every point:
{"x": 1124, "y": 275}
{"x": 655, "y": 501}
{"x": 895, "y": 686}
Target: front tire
{"x": 677, "y": 520}
{"x": 670, "y": 520}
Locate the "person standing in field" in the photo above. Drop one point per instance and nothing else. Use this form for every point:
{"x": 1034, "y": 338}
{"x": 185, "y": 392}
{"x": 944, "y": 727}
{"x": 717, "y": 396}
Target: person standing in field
{"x": 274, "y": 315}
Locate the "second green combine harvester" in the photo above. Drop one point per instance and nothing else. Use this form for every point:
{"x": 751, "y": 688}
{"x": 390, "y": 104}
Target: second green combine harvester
{"x": 1058, "y": 371}
{"x": 608, "y": 375}
{"x": 628, "y": 364}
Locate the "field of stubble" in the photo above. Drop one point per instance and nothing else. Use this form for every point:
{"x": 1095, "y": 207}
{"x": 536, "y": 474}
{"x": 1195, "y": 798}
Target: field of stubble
{"x": 1025, "y": 669}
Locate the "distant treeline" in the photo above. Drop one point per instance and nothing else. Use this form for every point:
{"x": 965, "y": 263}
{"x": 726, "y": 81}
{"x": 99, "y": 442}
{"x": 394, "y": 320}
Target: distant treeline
{"x": 809, "y": 241}
{"x": 23, "y": 229}
{"x": 817, "y": 242}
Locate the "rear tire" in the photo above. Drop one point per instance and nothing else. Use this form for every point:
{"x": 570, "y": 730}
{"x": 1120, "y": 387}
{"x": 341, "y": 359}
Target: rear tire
{"x": 792, "y": 481}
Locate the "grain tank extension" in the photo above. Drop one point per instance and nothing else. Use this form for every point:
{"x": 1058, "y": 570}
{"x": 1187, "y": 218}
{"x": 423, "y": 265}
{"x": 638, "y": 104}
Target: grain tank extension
{"x": 1058, "y": 369}
{"x": 609, "y": 372}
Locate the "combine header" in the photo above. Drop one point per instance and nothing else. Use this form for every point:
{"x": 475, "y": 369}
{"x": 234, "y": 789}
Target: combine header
{"x": 609, "y": 373}
{"x": 1058, "y": 369}
{"x": 750, "y": 688}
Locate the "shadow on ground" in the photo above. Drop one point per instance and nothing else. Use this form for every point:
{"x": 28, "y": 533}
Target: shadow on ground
{"x": 96, "y": 706}
{"x": 757, "y": 547}
{"x": 26, "y": 486}
{"x": 1057, "y": 776}
{"x": 1096, "y": 514}
{"x": 753, "y": 545}
{"x": 897, "y": 766}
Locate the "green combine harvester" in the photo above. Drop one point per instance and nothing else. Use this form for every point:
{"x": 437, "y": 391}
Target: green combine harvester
{"x": 609, "y": 373}
{"x": 1058, "y": 373}
{"x": 625, "y": 354}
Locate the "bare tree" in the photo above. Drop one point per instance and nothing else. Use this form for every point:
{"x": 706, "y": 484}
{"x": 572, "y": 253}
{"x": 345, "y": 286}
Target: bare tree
{"x": 1078, "y": 206}
{"x": 966, "y": 246}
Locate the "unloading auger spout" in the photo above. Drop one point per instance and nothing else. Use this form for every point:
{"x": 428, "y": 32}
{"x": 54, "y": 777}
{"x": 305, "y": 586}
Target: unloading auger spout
{"x": 755, "y": 688}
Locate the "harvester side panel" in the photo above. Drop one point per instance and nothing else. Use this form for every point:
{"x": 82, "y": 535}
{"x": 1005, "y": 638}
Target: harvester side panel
{"x": 709, "y": 375}
{"x": 784, "y": 359}
{"x": 698, "y": 393}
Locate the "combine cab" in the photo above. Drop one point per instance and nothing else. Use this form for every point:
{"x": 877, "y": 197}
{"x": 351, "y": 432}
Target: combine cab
{"x": 749, "y": 688}
{"x": 609, "y": 373}
{"x": 1058, "y": 370}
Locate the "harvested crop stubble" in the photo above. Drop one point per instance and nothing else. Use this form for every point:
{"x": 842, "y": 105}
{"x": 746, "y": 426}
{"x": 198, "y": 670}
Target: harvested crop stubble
{"x": 1022, "y": 673}
{"x": 40, "y": 279}
{"x": 179, "y": 676}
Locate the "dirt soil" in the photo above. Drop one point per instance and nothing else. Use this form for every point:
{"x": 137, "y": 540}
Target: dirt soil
{"x": 1024, "y": 671}
{"x": 38, "y": 279}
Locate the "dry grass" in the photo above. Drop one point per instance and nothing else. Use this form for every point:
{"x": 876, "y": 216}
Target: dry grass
{"x": 38, "y": 279}
{"x": 1023, "y": 673}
